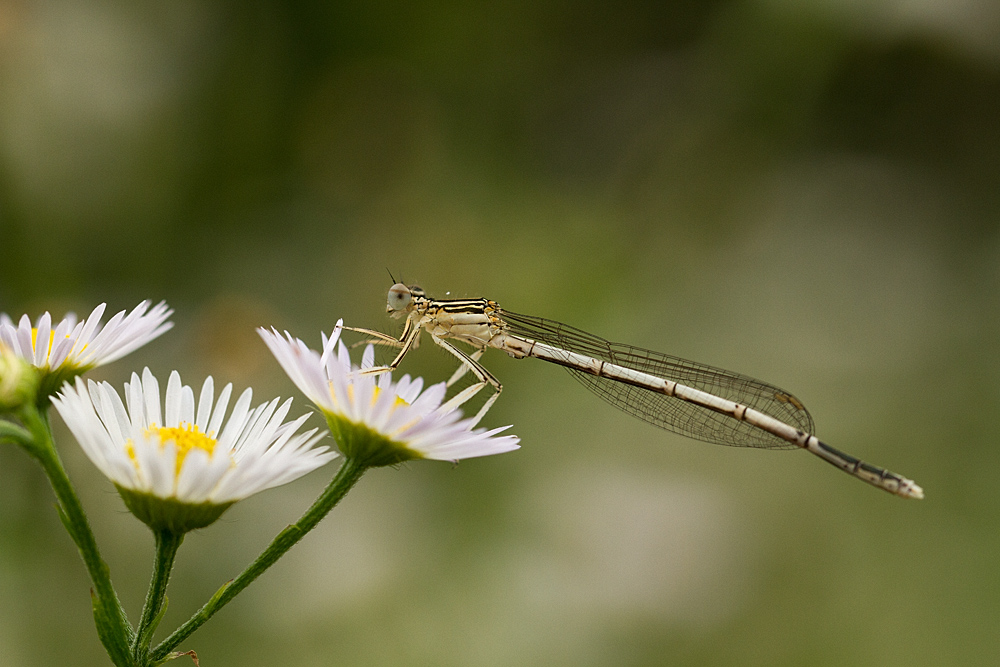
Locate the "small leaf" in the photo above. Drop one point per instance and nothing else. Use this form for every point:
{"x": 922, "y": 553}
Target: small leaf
{"x": 114, "y": 644}
{"x": 218, "y": 594}
{"x": 172, "y": 656}
{"x": 159, "y": 616}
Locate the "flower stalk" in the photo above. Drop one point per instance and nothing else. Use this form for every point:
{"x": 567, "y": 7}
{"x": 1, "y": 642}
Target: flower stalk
{"x": 167, "y": 544}
{"x": 113, "y": 628}
{"x": 350, "y": 472}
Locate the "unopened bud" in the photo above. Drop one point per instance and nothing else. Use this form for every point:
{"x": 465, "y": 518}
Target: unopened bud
{"x": 18, "y": 380}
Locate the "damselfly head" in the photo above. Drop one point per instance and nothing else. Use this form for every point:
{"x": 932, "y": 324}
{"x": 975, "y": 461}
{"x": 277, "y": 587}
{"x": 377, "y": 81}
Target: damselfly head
{"x": 399, "y": 299}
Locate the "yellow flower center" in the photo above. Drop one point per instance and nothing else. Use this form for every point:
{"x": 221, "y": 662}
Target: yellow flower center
{"x": 186, "y": 437}
{"x": 350, "y": 396}
{"x": 398, "y": 402}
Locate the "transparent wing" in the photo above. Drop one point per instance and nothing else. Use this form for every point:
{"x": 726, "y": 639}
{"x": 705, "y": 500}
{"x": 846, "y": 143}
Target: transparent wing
{"x": 667, "y": 412}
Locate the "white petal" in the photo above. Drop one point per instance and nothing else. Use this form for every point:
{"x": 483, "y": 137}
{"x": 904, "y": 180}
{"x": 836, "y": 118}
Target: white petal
{"x": 174, "y": 400}
{"x": 220, "y": 411}
{"x": 23, "y": 345}
{"x": 136, "y": 404}
{"x": 90, "y": 325}
{"x": 200, "y": 474}
{"x": 151, "y": 393}
{"x": 187, "y": 405}
{"x": 237, "y": 421}
{"x": 42, "y": 339}
{"x": 205, "y": 404}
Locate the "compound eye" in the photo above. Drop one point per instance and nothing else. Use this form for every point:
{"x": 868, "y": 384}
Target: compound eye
{"x": 399, "y": 297}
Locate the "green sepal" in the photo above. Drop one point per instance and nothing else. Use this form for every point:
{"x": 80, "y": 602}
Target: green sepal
{"x": 170, "y": 514}
{"x": 369, "y": 448}
{"x": 53, "y": 380}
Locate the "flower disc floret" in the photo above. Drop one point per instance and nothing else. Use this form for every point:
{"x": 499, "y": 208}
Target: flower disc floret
{"x": 374, "y": 419}
{"x": 181, "y": 466}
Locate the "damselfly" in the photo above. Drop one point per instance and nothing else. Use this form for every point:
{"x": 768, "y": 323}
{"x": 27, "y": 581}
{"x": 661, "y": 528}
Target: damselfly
{"x": 685, "y": 397}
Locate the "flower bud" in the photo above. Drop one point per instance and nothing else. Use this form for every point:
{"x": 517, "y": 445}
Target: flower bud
{"x": 18, "y": 380}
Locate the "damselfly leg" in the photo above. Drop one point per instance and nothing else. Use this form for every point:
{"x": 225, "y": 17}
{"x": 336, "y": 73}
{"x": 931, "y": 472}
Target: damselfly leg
{"x": 467, "y": 363}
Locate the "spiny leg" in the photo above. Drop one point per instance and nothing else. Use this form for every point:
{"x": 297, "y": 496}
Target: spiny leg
{"x": 464, "y": 368}
{"x": 406, "y": 342}
{"x": 471, "y": 363}
{"x": 379, "y": 338}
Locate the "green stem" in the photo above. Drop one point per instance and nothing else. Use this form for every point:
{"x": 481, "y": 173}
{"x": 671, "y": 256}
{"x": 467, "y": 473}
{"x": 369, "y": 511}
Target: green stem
{"x": 346, "y": 477}
{"x": 167, "y": 544}
{"x": 112, "y": 627}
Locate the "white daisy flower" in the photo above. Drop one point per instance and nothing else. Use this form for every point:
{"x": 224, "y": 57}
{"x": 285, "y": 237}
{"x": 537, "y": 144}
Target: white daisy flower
{"x": 375, "y": 419}
{"x": 182, "y": 467}
{"x": 73, "y": 347}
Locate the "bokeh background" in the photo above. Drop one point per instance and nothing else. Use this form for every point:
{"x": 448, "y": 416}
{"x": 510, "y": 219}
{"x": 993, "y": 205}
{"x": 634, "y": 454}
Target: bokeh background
{"x": 808, "y": 193}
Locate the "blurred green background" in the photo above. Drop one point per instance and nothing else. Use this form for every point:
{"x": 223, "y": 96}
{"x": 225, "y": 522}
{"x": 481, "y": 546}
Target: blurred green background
{"x": 808, "y": 193}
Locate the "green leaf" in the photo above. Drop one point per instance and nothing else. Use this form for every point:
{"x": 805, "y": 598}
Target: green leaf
{"x": 114, "y": 643}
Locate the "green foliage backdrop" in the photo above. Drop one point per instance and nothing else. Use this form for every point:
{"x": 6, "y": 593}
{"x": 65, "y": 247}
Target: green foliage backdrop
{"x": 808, "y": 193}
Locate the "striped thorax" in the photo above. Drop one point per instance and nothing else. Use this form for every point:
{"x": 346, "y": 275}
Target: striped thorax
{"x": 472, "y": 321}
